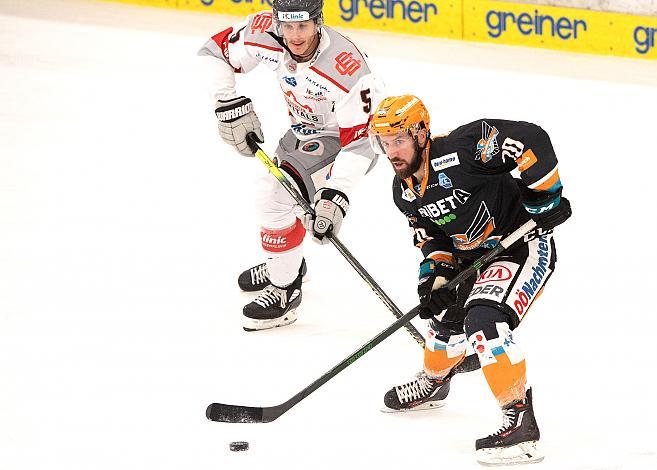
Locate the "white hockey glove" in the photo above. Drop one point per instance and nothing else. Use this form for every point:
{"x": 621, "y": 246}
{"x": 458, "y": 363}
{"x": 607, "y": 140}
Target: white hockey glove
{"x": 236, "y": 120}
{"x": 331, "y": 206}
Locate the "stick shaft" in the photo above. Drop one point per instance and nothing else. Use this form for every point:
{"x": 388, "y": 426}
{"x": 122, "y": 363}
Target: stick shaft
{"x": 248, "y": 414}
{"x": 280, "y": 176}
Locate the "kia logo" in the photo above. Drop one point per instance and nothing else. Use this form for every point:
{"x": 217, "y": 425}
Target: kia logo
{"x": 494, "y": 273}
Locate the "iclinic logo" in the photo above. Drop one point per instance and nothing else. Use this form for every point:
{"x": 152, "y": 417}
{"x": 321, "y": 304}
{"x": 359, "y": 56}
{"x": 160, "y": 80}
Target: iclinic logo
{"x": 565, "y": 28}
{"x": 413, "y": 11}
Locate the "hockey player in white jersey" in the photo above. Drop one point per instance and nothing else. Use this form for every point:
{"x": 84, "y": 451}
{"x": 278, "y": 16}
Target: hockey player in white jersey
{"x": 330, "y": 92}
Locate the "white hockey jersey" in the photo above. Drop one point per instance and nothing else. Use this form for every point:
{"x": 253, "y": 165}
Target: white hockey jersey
{"x": 334, "y": 94}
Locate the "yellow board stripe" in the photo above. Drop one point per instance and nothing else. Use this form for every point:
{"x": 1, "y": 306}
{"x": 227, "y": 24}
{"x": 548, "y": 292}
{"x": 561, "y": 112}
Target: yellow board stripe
{"x": 564, "y": 29}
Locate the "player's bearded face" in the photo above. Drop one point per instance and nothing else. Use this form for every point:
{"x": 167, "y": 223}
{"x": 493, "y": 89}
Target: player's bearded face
{"x": 403, "y": 153}
{"x": 301, "y": 37}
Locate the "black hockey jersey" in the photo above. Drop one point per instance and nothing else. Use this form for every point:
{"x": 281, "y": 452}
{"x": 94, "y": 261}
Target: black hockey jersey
{"x": 469, "y": 198}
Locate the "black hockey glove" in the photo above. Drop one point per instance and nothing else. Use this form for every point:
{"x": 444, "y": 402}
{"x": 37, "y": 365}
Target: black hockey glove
{"x": 547, "y": 209}
{"x": 434, "y": 298}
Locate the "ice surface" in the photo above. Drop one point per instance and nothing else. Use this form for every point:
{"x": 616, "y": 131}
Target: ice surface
{"x": 124, "y": 222}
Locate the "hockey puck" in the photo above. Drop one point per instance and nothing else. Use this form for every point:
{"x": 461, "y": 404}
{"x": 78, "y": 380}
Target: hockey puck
{"x": 239, "y": 446}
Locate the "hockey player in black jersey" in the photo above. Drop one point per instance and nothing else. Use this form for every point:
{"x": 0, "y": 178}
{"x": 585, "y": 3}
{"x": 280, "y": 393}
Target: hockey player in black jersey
{"x": 460, "y": 199}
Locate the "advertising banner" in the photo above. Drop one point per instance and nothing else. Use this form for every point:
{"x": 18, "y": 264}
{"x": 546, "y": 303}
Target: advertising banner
{"x": 567, "y": 29}
{"x": 520, "y": 24}
{"x": 440, "y": 18}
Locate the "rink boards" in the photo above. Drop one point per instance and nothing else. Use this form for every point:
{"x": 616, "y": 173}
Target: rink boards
{"x": 564, "y": 29}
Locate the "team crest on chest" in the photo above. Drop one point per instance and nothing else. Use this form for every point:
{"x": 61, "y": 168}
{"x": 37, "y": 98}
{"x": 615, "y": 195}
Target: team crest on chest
{"x": 480, "y": 229}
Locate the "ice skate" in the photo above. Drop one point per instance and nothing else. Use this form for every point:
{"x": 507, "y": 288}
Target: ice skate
{"x": 274, "y": 306}
{"x": 421, "y": 393}
{"x": 516, "y": 442}
{"x": 257, "y": 278}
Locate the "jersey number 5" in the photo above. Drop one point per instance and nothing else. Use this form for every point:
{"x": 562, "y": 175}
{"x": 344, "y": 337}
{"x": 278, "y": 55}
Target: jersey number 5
{"x": 365, "y": 96}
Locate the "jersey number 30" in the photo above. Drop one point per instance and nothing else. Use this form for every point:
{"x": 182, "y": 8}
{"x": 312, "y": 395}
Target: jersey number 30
{"x": 512, "y": 149}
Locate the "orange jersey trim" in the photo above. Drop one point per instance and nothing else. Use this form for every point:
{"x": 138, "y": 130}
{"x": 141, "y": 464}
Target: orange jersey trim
{"x": 548, "y": 183}
{"x": 442, "y": 256}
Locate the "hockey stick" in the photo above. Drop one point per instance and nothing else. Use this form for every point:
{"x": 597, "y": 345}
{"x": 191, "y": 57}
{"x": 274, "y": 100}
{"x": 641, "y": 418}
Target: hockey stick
{"x": 278, "y": 174}
{"x": 252, "y": 414}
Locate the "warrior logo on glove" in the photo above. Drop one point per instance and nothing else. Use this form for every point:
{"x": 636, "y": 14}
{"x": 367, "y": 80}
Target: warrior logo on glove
{"x": 236, "y": 120}
{"x": 231, "y": 112}
{"x": 331, "y": 206}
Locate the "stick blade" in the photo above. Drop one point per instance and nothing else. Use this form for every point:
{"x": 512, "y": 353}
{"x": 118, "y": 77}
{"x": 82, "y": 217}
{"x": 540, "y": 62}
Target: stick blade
{"x": 234, "y": 413}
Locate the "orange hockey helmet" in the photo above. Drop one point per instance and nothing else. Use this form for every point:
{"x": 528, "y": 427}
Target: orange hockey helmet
{"x": 397, "y": 114}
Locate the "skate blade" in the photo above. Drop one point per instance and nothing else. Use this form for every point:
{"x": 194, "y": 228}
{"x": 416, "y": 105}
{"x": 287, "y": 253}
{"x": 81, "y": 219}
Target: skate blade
{"x": 250, "y": 324}
{"x": 424, "y": 406}
{"x": 519, "y": 454}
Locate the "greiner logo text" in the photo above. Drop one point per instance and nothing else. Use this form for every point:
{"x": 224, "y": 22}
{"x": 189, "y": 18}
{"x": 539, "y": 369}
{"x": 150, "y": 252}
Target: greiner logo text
{"x": 499, "y": 22}
{"x": 414, "y": 11}
{"x": 644, "y": 38}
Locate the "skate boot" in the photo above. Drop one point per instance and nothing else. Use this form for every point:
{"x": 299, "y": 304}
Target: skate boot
{"x": 516, "y": 441}
{"x": 421, "y": 393}
{"x": 257, "y": 278}
{"x": 274, "y": 306}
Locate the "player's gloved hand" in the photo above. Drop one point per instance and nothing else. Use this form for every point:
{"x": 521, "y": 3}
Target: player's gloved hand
{"x": 331, "y": 206}
{"x": 236, "y": 120}
{"x": 434, "y": 297}
{"x": 547, "y": 209}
